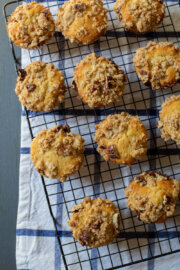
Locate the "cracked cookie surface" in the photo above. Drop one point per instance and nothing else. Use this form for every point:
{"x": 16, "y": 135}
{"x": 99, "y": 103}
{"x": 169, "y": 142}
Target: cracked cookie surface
{"x": 158, "y": 64}
{"x": 40, "y": 86}
{"x": 30, "y": 25}
{"x": 82, "y": 21}
{"x": 95, "y": 222}
{"x": 98, "y": 81}
{"x": 169, "y": 122}
{"x": 140, "y": 16}
{"x": 152, "y": 195}
{"x": 57, "y": 152}
{"x": 121, "y": 138}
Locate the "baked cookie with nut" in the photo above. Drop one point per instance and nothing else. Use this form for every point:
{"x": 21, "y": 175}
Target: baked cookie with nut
{"x": 140, "y": 16}
{"x": 152, "y": 195}
{"x": 57, "y": 152}
{"x": 82, "y": 21}
{"x": 95, "y": 223}
{"x": 30, "y": 25}
{"x": 169, "y": 122}
{"x": 40, "y": 86}
{"x": 158, "y": 64}
{"x": 98, "y": 81}
{"x": 121, "y": 138}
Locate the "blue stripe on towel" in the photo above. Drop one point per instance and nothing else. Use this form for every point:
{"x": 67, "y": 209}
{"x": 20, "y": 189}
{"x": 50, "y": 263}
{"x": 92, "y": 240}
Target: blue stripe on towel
{"x": 152, "y": 166}
{"x": 25, "y": 150}
{"x": 123, "y": 235}
{"x": 90, "y": 112}
{"x": 59, "y": 197}
{"x": 91, "y": 151}
{"x": 96, "y": 182}
{"x": 42, "y": 233}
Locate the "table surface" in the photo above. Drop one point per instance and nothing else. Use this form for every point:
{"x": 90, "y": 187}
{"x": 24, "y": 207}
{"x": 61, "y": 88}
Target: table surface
{"x": 10, "y": 110}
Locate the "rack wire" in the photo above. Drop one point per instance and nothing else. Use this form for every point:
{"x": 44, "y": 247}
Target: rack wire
{"x": 137, "y": 241}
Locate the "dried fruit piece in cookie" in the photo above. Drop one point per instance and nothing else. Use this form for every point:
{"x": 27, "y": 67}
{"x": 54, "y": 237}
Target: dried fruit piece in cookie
{"x": 158, "y": 64}
{"x": 153, "y": 195}
{"x": 140, "y": 16}
{"x": 98, "y": 81}
{"x": 170, "y": 119}
{"x": 40, "y": 87}
{"x": 30, "y": 25}
{"x": 57, "y": 152}
{"x": 121, "y": 138}
{"x": 95, "y": 222}
{"x": 82, "y": 21}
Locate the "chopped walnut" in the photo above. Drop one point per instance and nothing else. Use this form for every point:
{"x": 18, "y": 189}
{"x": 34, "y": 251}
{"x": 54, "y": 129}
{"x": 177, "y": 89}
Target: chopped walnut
{"x": 30, "y": 87}
{"x": 22, "y": 74}
{"x": 80, "y": 7}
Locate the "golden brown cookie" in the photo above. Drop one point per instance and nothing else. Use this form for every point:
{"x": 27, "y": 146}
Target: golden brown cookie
{"x": 158, "y": 64}
{"x": 152, "y": 195}
{"x": 40, "y": 86}
{"x": 30, "y": 25}
{"x": 82, "y": 21}
{"x": 121, "y": 138}
{"x": 170, "y": 119}
{"x": 57, "y": 152}
{"x": 98, "y": 81}
{"x": 95, "y": 223}
{"x": 140, "y": 16}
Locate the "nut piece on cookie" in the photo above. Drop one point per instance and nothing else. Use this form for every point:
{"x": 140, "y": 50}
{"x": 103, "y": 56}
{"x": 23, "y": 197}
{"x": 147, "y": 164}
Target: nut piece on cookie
{"x": 40, "y": 86}
{"x": 140, "y": 16}
{"x": 30, "y": 25}
{"x": 152, "y": 195}
{"x": 98, "y": 81}
{"x": 158, "y": 64}
{"x": 57, "y": 152}
{"x": 170, "y": 119}
{"x": 121, "y": 138}
{"x": 95, "y": 223}
{"x": 82, "y": 21}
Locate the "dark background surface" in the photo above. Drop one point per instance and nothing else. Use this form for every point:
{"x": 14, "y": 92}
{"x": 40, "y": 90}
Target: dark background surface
{"x": 9, "y": 154}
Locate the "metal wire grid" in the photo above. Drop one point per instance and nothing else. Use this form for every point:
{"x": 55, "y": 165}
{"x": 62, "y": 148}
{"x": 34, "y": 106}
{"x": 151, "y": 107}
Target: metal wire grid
{"x": 137, "y": 241}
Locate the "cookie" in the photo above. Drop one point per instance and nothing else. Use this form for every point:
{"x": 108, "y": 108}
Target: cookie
{"x": 121, "y": 138}
{"x": 170, "y": 119}
{"x": 98, "y": 81}
{"x": 158, "y": 64}
{"x": 57, "y": 152}
{"x": 140, "y": 16}
{"x": 95, "y": 223}
{"x": 82, "y": 21}
{"x": 30, "y": 25}
{"x": 40, "y": 86}
{"x": 152, "y": 195}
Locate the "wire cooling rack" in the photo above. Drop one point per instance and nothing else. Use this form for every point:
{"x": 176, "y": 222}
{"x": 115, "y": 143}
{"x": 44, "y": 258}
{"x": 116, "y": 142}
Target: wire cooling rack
{"x": 137, "y": 241}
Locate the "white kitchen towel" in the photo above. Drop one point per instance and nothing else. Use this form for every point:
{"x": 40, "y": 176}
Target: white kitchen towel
{"x": 37, "y": 247}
